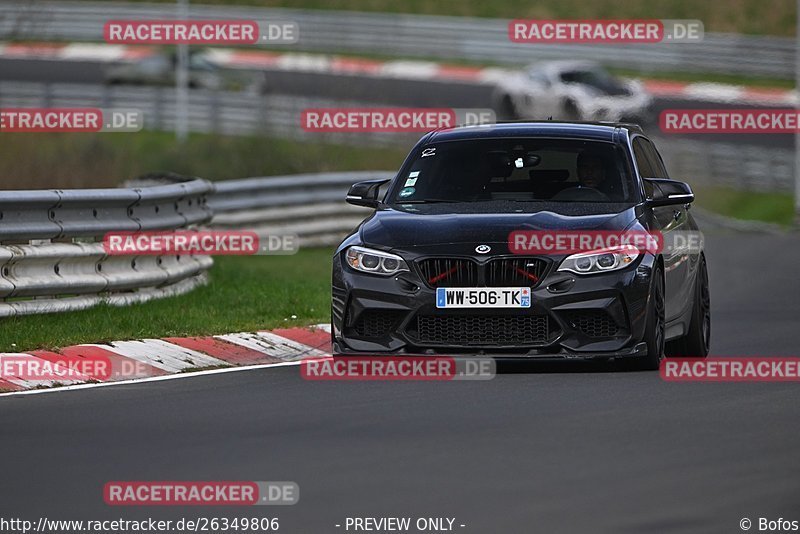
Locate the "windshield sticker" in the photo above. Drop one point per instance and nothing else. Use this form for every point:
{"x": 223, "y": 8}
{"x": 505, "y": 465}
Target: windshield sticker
{"x": 413, "y": 174}
{"x": 428, "y": 152}
{"x": 411, "y": 181}
{"x": 407, "y": 192}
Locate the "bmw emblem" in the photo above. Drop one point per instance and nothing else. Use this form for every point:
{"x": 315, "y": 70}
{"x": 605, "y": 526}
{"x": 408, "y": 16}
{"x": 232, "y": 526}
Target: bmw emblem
{"x": 483, "y": 249}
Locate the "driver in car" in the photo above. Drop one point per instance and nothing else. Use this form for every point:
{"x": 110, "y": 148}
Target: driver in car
{"x": 592, "y": 173}
{"x": 591, "y": 170}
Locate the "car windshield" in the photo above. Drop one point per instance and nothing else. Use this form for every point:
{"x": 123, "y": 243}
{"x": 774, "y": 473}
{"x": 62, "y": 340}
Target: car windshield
{"x": 522, "y": 170}
{"x": 596, "y": 78}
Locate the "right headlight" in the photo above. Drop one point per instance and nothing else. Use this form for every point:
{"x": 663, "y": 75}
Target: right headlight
{"x": 600, "y": 261}
{"x": 372, "y": 261}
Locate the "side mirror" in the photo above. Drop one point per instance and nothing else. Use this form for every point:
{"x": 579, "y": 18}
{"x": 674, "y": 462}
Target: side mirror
{"x": 365, "y": 193}
{"x": 668, "y": 192}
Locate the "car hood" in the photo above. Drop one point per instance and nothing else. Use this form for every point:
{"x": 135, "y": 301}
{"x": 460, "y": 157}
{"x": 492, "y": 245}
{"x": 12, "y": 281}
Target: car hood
{"x": 620, "y": 89}
{"x": 430, "y": 225}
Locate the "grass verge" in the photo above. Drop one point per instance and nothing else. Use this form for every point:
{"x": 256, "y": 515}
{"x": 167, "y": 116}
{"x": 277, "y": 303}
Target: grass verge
{"x": 75, "y": 160}
{"x": 777, "y": 208}
{"x": 756, "y": 82}
{"x": 245, "y": 294}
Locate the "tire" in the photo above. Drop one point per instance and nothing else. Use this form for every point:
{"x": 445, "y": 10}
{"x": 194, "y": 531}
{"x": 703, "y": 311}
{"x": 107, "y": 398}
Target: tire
{"x": 697, "y": 341}
{"x": 506, "y": 108}
{"x": 571, "y": 111}
{"x": 654, "y": 329}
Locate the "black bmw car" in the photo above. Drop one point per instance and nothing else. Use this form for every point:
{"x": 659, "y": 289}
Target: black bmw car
{"x": 436, "y": 268}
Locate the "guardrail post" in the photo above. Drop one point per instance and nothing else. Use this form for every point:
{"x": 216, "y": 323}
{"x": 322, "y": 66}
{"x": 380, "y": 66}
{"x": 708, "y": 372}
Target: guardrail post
{"x": 214, "y": 113}
{"x": 107, "y": 96}
{"x": 182, "y": 81}
{"x": 159, "y": 108}
{"x": 48, "y": 95}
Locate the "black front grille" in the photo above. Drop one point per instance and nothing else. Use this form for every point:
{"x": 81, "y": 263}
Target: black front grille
{"x": 482, "y": 330}
{"x": 501, "y": 272}
{"x": 522, "y": 272}
{"x": 377, "y": 324}
{"x": 449, "y": 272}
{"x": 593, "y": 323}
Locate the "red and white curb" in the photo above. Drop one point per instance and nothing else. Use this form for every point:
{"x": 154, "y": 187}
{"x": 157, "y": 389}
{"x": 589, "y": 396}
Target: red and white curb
{"x": 75, "y": 51}
{"x": 400, "y": 69}
{"x": 174, "y": 357}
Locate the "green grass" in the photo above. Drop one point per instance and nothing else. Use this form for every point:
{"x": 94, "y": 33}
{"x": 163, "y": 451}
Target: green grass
{"x": 770, "y": 17}
{"x": 245, "y": 294}
{"x": 712, "y": 77}
{"x": 775, "y": 208}
{"x": 73, "y": 160}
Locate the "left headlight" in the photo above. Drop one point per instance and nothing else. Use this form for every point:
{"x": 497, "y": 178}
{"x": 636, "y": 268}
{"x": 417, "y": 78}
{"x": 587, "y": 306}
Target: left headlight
{"x": 374, "y": 261}
{"x": 600, "y": 261}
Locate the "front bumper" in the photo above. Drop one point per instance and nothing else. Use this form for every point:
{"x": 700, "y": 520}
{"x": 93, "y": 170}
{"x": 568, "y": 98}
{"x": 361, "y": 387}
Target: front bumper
{"x": 638, "y": 108}
{"x": 571, "y": 316}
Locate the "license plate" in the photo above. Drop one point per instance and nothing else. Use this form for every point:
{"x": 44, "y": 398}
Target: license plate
{"x": 483, "y": 297}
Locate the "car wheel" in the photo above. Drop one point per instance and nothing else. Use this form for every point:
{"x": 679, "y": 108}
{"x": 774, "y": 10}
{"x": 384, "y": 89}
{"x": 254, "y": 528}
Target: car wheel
{"x": 571, "y": 111}
{"x": 697, "y": 341}
{"x": 506, "y": 109}
{"x": 333, "y": 337}
{"x": 654, "y": 332}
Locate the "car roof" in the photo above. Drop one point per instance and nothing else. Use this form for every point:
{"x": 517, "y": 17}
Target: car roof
{"x": 600, "y": 131}
{"x": 564, "y": 64}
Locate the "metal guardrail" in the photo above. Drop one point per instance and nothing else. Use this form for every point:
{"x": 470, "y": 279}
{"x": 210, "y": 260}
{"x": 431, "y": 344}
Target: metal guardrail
{"x": 51, "y": 259}
{"x": 310, "y": 206}
{"x": 743, "y": 167}
{"x": 242, "y": 113}
{"x": 412, "y": 36}
{"x": 219, "y": 112}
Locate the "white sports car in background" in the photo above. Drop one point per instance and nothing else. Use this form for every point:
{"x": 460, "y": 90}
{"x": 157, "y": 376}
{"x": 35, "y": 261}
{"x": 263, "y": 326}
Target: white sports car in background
{"x": 570, "y": 90}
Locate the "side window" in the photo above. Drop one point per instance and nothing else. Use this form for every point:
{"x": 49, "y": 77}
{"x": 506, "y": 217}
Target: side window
{"x": 539, "y": 77}
{"x": 642, "y": 161}
{"x": 655, "y": 160}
